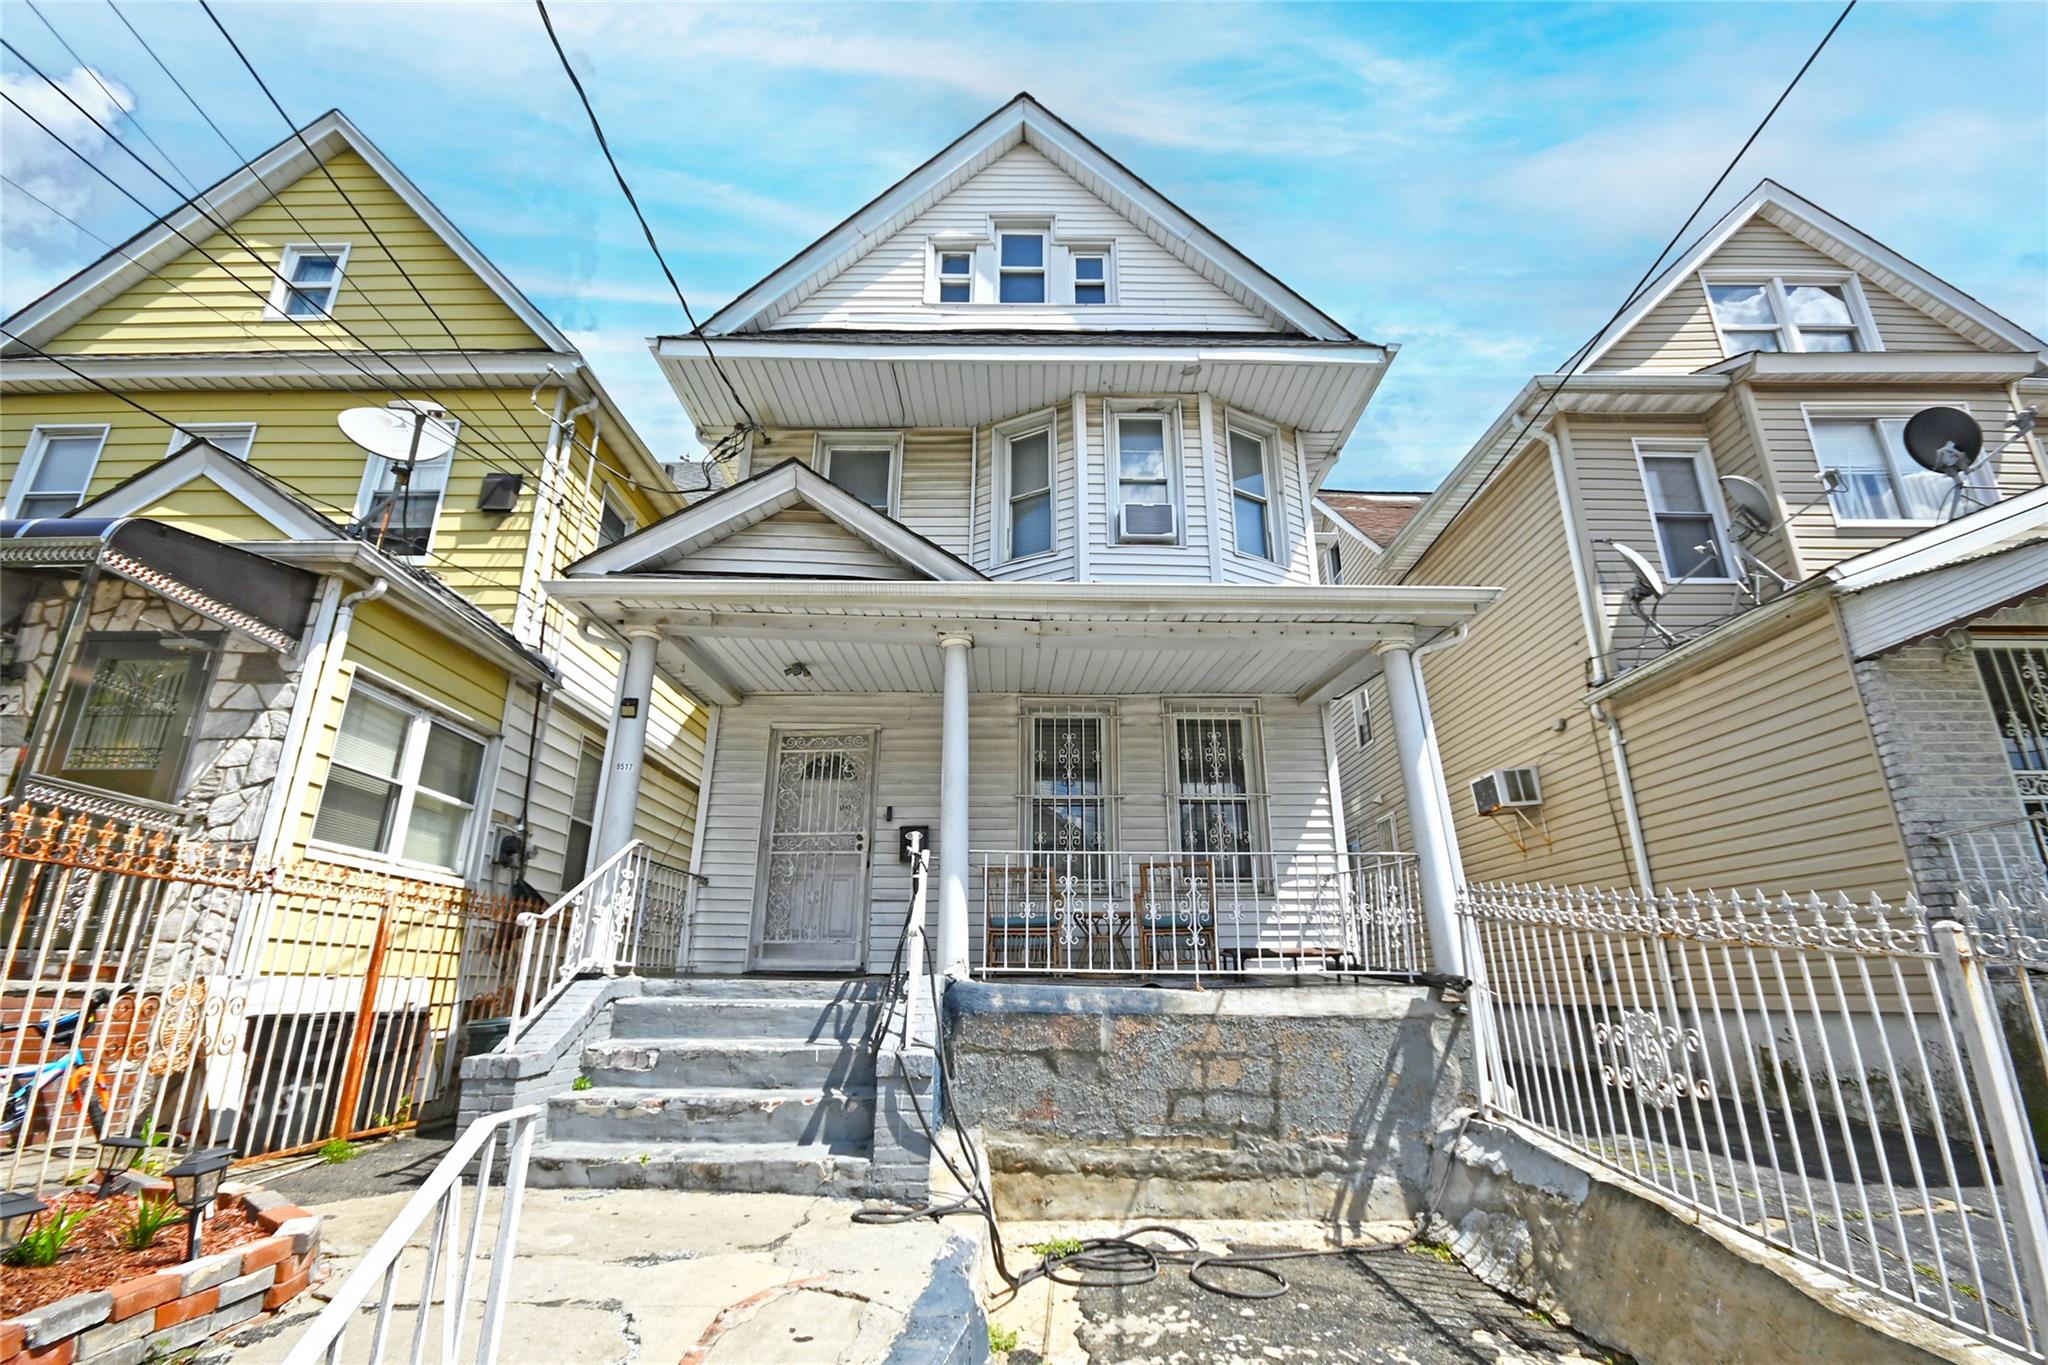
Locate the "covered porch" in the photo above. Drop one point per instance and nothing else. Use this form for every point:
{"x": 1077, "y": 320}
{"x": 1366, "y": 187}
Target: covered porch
{"x": 1115, "y": 779}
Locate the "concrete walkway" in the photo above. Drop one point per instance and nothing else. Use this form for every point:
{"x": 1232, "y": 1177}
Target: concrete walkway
{"x": 655, "y": 1275}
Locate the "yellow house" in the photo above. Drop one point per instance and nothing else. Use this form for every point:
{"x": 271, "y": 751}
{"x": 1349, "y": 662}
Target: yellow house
{"x": 434, "y": 716}
{"x": 1746, "y": 639}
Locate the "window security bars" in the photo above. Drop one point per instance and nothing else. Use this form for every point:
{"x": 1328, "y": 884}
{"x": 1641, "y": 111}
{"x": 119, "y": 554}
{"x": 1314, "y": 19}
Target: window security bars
{"x": 1830, "y": 1077}
{"x": 129, "y": 1007}
{"x": 1124, "y": 913}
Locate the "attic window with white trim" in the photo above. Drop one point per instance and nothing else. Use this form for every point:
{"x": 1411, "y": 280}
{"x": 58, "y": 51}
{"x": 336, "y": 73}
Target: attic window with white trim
{"x": 309, "y": 277}
{"x": 1091, "y": 277}
{"x": 863, "y": 465}
{"x": 1780, "y": 314}
{"x": 1020, "y": 262}
{"x": 956, "y": 276}
{"x": 614, "y": 523}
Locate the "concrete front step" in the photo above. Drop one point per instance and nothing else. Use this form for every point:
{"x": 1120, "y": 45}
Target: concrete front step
{"x": 840, "y": 1121}
{"x": 763, "y": 1168}
{"x": 772, "y": 1064}
{"x": 762, "y": 1018}
{"x": 762, "y": 987}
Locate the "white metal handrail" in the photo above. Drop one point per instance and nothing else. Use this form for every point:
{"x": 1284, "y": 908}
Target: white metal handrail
{"x": 631, "y": 913}
{"x": 510, "y": 1132}
{"x": 1829, "y": 1076}
{"x": 1175, "y": 912}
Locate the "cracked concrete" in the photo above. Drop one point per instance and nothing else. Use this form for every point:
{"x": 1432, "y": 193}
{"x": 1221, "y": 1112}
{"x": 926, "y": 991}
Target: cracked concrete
{"x": 656, "y": 1276}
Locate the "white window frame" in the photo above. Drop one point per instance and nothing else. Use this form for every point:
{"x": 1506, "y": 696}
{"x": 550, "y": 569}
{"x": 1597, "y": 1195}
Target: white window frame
{"x": 587, "y": 746}
{"x": 1774, "y": 285}
{"x": 32, "y": 459}
{"x": 1330, "y": 560}
{"x": 373, "y": 464}
{"x": 188, "y": 432}
{"x": 1387, "y": 829}
{"x": 609, "y": 503}
{"x": 940, "y": 250}
{"x": 281, "y": 286}
{"x": 1697, "y": 450}
{"x": 1040, "y": 229}
{"x": 423, "y": 714}
{"x": 1256, "y": 798}
{"x": 1873, "y": 413}
{"x": 1115, "y": 411}
{"x": 1361, "y": 716}
{"x": 1268, "y": 438}
{"x": 827, "y": 441}
{"x": 1033, "y": 709}
{"x": 1104, "y": 250}
{"x": 1048, "y": 421}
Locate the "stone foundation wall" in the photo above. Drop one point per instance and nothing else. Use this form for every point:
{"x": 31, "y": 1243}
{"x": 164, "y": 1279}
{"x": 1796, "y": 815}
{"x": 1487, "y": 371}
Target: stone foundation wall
{"x": 1303, "y": 1101}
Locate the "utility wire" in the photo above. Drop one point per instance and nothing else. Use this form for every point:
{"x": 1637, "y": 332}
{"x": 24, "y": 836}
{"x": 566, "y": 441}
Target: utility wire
{"x": 153, "y": 414}
{"x": 126, "y": 113}
{"x": 604, "y": 145}
{"x": 1579, "y": 357}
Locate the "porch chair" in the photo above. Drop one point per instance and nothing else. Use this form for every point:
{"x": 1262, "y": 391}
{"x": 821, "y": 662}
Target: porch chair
{"x": 1018, "y": 910}
{"x": 1171, "y": 899}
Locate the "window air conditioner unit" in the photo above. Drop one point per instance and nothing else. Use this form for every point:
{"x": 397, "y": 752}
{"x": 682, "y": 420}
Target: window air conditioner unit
{"x": 1147, "y": 521}
{"x": 1507, "y": 789}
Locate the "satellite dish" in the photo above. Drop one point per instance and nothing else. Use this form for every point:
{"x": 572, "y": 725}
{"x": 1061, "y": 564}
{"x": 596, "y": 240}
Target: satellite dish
{"x": 403, "y": 435}
{"x": 1649, "y": 583}
{"x": 1749, "y": 504}
{"x": 1944, "y": 440}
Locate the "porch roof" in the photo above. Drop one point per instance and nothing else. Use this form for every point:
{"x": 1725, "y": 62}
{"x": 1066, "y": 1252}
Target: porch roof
{"x": 726, "y": 639}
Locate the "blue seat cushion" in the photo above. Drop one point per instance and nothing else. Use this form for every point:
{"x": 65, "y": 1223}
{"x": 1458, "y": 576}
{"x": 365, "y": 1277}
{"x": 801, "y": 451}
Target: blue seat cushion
{"x": 1020, "y": 921}
{"x": 1177, "y": 919}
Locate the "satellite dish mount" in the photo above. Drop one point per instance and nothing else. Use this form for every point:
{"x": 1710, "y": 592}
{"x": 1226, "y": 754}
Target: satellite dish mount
{"x": 407, "y": 435}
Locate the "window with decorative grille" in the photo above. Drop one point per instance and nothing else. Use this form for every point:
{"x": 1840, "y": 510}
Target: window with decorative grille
{"x": 1218, "y": 806}
{"x": 130, "y": 727}
{"x": 1067, "y": 782}
{"x": 2016, "y": 678}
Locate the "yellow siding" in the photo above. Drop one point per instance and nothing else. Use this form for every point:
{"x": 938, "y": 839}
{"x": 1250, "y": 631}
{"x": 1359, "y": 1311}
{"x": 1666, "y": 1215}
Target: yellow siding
{"x": 297, "y": 442}
{"x": 1758, "y": 770}
{"x": 194, "y": 304}
{"x": 204, "y": 507}
{"x": 1678, "y": 334}
{"x": 1498, "y": 696}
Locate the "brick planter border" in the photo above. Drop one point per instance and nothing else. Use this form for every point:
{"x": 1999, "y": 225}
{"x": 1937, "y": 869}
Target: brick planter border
{"x": 175, "y": 1307}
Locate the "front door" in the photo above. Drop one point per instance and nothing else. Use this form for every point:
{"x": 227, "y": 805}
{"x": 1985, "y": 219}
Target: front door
{"x": 813, "y": 907}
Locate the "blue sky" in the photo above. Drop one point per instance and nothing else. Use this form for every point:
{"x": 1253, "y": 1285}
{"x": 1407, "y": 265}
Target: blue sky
{"x": 1480, "y": 183}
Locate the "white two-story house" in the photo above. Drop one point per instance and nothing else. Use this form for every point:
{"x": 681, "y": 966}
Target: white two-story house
{"x": 1020, "y": 557}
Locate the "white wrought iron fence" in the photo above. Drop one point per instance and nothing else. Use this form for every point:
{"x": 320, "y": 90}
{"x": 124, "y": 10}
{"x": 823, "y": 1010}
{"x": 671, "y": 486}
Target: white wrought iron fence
{"x": 630, "y": 914}
{"x": 2002, "y": 857}
{"x": 1826, "y": 1075}
{"x": 1181, "y": 913}
{"x": 431, "y": 1271}
{"x": 130, "y": 1006}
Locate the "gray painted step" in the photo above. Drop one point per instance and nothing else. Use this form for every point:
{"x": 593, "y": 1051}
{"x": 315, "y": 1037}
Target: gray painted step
{"x": 768, "y": 1168}
{"x": 763, "y": 987}
{"x": 792, "y": 1020}
{"x": 773, "y": 1064}
{"x": 842, "y": 1121}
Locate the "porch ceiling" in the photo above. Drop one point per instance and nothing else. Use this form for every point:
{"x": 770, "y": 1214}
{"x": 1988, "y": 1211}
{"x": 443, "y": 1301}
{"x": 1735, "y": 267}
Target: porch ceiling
{"x": 728, "y": 639}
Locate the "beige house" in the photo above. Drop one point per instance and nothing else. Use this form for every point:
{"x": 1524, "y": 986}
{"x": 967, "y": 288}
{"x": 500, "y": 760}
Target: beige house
{"x": 1745, "y": 639}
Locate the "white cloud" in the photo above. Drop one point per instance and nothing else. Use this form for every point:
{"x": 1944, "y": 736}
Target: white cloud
{"x": 41, "y": 247}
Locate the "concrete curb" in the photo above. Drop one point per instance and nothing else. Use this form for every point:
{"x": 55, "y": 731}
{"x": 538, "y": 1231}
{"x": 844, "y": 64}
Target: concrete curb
{"x": 947, "y": 1325}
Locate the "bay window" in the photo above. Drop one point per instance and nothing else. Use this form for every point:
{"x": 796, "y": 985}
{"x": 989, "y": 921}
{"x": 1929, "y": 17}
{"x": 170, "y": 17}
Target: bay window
{"x": 1250, "y": 498}
{"x": 1143, "y": 472}
{"x": 402, "y": 783}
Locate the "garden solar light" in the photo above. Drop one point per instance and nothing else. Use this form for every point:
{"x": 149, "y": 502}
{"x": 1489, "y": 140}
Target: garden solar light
{"x": 16, "y": 1208}
{"x": 118, "y": 1156}
{"x": 194, "y": 1182}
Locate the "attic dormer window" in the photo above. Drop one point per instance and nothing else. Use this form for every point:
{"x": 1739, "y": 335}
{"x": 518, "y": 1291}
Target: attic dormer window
{"x": 1021, "y": 267}
{"x": 308, "y": 278}
{"x": 1784, "y": 314}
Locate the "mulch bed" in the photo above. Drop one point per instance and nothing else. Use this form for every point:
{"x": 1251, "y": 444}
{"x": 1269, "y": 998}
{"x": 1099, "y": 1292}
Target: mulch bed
{"x": 95, "y": 1258}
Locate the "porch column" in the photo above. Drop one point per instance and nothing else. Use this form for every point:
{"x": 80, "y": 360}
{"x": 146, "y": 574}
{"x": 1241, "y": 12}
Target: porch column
{"x": 1422, "y": 783}
{"x": 953, "y": 832}
{"x": 626, "y": 746}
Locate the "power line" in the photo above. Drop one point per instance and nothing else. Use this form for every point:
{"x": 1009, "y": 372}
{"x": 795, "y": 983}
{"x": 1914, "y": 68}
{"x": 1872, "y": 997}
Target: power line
{"x": 1579, "y": 358}
{"x": 127, "y": 113}
{"x": 646, "y": 229}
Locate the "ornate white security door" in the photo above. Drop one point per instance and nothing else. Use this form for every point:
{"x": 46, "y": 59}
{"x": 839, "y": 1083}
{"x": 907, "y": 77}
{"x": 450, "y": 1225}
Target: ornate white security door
{"x": 813, "y": 909}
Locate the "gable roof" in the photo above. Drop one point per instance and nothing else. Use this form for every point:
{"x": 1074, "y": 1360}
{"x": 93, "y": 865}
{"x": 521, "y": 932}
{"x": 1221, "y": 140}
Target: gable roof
{"x": 1833, "y": 237}
{"x": 201, "y": 459}
{"x": 232, "y": 196}
{"x": 754, "y": 500}
{"x": 1024, "y": 121}
{"x": 1376, "y": 517}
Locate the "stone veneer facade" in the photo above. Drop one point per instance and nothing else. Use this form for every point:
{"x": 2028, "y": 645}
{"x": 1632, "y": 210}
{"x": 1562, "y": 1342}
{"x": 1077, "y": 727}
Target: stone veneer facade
{"x": 1943, "y": 759}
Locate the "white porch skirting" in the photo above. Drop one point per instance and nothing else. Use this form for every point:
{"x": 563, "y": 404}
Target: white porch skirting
{"x": 1292, "y": 770}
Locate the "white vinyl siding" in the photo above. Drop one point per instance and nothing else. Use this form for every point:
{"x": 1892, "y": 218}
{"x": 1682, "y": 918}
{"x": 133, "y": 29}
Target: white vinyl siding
{"x": 798, "y": 542}
{"x": 894, "y": 285}
{"x": 56, "y": 469}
